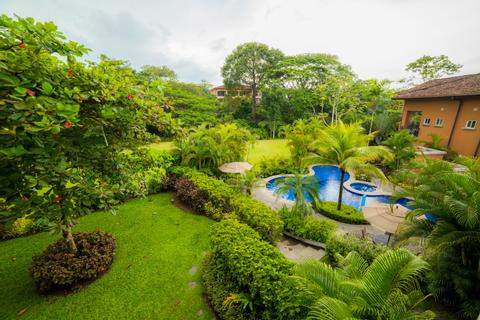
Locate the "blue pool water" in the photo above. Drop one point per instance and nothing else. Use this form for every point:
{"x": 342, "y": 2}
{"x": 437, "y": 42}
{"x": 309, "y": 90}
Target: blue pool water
{"x": 328, "y": 185}
{"x": 363, "y": 187}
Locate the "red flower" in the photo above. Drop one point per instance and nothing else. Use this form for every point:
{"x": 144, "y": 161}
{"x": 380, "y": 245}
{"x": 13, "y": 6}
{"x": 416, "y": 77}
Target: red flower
{"x": 130, "y": 97}
{"x": 70, "y": 73}
{"x": 31, "y": 93}
{"x": 21, "y": 45}
{"x": 58, "y": 199}
{"x": 67, "y": 124}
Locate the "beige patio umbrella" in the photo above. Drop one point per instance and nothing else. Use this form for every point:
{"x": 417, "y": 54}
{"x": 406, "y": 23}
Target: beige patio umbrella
{"x": 381, "y": 217}
{"x": 235, "y": 167}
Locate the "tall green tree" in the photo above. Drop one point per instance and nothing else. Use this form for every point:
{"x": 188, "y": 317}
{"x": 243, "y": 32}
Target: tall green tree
{"x": 247, "y": 65}
{"x": 451, "y": 235}
{"x": 346, "y": 145}
{"x": 433, "y": 67}
{"x": 387, "y": 289}
{"x": 152, "y": 73}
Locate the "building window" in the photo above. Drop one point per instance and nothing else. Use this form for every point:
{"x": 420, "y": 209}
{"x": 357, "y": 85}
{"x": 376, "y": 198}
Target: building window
{"x": 439, "y": 122}
{"x": 220, "y": 93}
{"x": 426, "y": 121}
{"x": 471, "y": 124}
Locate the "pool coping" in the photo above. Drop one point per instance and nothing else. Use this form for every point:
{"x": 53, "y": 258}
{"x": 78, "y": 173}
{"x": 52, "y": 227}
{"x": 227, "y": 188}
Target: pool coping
{"x": 346, "y": 184}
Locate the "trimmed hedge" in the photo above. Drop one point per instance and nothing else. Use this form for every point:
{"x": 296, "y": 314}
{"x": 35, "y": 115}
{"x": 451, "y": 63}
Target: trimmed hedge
{"x": 347, "y": 214}
{"x": 218, "y": 200}
{"x": 242, "y": 265}
{"x": 309, "y": 227}
{"x": 344, "y": 244}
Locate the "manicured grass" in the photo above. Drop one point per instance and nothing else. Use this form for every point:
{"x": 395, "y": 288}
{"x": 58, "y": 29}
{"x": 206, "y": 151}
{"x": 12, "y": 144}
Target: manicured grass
{"x": 266, "y": 149}
{"x": 261, "y": 149}
{"x": 161, "y": 146}
{"x": 347, "y": 214}
{"x": 157, "y": 246}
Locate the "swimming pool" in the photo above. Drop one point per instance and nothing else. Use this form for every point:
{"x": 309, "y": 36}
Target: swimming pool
{"x": 359, "y": 186}
{"x": 328, "y": 185}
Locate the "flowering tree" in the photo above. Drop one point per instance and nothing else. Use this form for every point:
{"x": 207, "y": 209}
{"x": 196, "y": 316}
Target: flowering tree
{"x": 62, "y": 118}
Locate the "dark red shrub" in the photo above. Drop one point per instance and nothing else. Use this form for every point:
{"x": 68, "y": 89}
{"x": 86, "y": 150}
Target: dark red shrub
{"x": 168, "y": 182}
{"x": 57, "y": 268}
{"x": 190, "y": 194}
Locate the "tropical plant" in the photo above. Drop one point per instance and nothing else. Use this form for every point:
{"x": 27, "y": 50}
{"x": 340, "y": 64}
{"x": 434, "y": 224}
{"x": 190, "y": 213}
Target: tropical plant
{"x": 249, "y": 180}
{"x": 451, "y": 233}
{"x": 300, "y": 135}
{"x": 305, "y": 189}
{"x": 387, "y": 289}
{"x": 401, "y": 146}
{"x": 346, "y": 145}
{"x": 435, "y": 142}
{"x": 210, "y": 147}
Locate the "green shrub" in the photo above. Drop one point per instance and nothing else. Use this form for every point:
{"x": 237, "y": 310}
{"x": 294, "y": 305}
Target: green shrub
{"x": 21, "y": 227}
{"x": 343, "y": 244}
{"x": 221, "y": 200}
{"x": 247, "y": 278}
{"x": 57, "y": 268}
{"x": 347, "y": 214}
{"x": 278, "y": 165}
{"x": 309, "y": 227}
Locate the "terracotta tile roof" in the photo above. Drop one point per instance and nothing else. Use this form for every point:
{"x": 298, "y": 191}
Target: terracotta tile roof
{"x": 468, "y": 85}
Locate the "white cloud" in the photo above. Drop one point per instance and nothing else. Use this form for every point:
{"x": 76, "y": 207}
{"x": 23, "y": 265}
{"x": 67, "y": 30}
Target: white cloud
{"x": 376, "y": 37}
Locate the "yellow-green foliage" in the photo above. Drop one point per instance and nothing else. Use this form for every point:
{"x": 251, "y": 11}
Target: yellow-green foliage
{"x": 21, "y": 226}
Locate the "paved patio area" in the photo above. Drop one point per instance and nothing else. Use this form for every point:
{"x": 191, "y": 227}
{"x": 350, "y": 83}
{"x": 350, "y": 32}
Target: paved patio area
{"x": 296, "y": 251}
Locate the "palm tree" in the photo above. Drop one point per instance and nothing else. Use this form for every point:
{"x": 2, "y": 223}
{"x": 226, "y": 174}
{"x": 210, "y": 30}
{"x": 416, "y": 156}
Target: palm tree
{"x": 346, "y": 145}
{"x": 401, "y": 145}
{"x": 451, "y": 237}
{"x": 249, "y": 180}
{"x": 387, "y": 289}
{"x": 302, "y": 187}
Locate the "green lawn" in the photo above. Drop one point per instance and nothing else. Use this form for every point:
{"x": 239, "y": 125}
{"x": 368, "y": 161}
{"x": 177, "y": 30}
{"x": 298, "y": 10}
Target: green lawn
{"x": 157, "y": 246}
{"x": 262, "y": 149}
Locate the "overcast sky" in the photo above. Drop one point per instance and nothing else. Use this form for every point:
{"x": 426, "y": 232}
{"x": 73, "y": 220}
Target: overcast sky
{"x": 376, "y": 37}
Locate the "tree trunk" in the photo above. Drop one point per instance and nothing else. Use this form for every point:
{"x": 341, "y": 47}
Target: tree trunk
{"x": 68, "y": 236}
{"x": 254, "y": 101}
{"x": 340, "y": 191}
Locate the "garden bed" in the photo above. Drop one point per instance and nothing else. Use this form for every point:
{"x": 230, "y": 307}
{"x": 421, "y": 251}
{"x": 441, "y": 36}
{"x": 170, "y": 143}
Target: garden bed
{"x": 347, "y": 214}
{"x": 155, "y": 273}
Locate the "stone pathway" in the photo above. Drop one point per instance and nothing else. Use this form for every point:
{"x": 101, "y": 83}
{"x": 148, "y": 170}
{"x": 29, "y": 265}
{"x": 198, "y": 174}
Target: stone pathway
{"x": 296, "y": 251}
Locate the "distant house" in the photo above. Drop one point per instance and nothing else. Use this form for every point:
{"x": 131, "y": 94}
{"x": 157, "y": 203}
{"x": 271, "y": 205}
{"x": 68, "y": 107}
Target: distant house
{"x": 220, "y": 92}
{"x": 448, "y": 107}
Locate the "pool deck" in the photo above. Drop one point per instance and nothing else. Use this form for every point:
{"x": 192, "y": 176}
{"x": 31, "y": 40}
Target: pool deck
{"x": 262, "y": 194}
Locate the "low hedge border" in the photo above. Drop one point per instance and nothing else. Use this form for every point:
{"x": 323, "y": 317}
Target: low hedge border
{"x": 347, "y": 214}
{"x": 247, "y": 278}
{"x": 344, "y": 244}
{"x": 218, "y": 200}
{"x": 309, "y": 228}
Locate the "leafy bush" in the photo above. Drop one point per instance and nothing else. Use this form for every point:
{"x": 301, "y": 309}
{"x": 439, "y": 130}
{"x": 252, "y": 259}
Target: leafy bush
{"x": 346, "y": 214}
{"x": 308, "y": 227}
{"x": 274, "y": 166}
{"x": 190, "y": 194}
{"x": 210, "y": 147}
{"x": 57, "y": 268}
{"x": 20, "y": 227}
{"x": 221, "y": 200}
{"x": 344, "y": 244}
{"x": 247, "y": 278}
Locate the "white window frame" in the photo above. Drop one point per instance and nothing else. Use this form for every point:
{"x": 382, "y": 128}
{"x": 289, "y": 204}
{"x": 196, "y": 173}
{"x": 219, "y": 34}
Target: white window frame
{"x": 425, "y": 121}
{"x": 439, "y": 122}
{"x": 471, "y": 124}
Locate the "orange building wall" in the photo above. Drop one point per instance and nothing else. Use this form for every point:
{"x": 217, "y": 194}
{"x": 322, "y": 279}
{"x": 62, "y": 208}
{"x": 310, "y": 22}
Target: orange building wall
{"x": 465, "y": 141}
{"x": 462, "y": 141}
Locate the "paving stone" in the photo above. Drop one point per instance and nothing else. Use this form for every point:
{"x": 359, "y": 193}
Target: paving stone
{"x": 193, "y": 270}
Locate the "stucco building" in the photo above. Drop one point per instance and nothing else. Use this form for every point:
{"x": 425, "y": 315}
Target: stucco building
{"x": 448, "y": 107}
{"x": 220, "y": 92}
